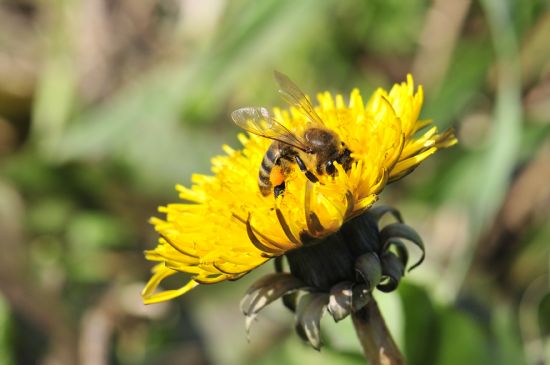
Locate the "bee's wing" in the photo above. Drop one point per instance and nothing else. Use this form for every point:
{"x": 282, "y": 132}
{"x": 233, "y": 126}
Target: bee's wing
{"x": 295, "y": 97}
{"x": 257, "y": 120}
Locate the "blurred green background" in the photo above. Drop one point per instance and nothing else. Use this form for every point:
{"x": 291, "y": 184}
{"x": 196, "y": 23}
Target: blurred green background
{"x": 106, "y": 104}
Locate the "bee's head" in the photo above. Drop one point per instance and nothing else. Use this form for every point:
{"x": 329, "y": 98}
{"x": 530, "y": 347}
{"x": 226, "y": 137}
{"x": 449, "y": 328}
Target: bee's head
{"x": 344, "y": 158}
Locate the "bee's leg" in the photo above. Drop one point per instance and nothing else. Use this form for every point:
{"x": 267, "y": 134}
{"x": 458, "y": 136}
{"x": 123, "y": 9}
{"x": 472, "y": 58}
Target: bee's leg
{"x": 279, "y": 189}
{"x": 304, "y": 169}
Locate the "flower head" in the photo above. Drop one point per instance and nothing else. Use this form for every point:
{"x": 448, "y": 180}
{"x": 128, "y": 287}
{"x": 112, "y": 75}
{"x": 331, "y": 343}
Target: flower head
{"x": 225, "y": 226}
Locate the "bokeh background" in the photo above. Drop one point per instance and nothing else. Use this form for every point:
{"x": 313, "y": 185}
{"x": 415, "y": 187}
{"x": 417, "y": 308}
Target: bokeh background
{"x": 106, "y": 104}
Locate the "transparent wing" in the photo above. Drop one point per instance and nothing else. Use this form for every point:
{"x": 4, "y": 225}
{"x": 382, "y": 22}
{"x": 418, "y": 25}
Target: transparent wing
{"x": 295, "y": 97}
{"x": 257, "y": 120}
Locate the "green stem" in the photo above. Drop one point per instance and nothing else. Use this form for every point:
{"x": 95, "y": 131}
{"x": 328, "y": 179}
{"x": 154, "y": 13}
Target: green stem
{"x": 378, "y": 344}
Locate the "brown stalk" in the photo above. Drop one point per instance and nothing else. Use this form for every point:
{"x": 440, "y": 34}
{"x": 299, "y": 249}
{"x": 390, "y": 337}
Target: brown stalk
{"x": 377, "y": 341}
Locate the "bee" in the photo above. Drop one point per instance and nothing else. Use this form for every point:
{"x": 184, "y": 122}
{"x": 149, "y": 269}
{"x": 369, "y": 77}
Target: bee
{"x": 318, "y": 146}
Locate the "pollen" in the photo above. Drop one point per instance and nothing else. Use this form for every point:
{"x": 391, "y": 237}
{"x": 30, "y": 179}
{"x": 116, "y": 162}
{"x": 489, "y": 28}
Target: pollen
{"x": 277, "y": 177}
{"x": 223, "y": 227}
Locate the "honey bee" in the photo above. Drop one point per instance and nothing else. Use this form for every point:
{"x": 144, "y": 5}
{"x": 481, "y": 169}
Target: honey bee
{"x": 319, "y": 146}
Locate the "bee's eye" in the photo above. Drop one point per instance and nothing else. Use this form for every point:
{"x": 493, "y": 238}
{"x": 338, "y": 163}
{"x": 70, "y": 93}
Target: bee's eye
{"x": 330, "y": 168}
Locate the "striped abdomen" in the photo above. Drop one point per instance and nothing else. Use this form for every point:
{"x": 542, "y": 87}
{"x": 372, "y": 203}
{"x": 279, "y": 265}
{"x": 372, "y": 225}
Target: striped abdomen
{"x": 265, "y": 179}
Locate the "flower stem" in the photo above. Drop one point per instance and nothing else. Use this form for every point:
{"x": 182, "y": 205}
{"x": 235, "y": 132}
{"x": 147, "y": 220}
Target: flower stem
{"x": 378, "y": 344}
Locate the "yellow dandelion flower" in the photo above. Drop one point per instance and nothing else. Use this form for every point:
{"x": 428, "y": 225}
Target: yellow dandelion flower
{"x": 225, "y": 227}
